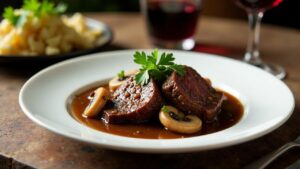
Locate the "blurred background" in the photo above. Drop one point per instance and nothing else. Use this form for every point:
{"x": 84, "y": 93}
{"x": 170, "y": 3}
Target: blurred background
{"x": 286, "y": 14}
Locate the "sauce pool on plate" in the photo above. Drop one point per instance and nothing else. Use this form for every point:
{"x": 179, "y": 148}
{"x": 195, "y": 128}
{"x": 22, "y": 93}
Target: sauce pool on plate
{"x": 231, "y": 112}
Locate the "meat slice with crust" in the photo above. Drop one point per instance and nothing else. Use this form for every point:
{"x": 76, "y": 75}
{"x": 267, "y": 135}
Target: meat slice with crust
{"x": 192, "y": 94}
{"x": 134, "y": 103}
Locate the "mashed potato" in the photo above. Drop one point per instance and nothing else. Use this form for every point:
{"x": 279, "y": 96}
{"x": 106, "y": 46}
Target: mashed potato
{"x": 47, "y": 35}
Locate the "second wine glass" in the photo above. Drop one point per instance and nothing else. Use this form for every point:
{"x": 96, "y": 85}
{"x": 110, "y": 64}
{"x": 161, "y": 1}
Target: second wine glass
{"x": 255, "y": 10}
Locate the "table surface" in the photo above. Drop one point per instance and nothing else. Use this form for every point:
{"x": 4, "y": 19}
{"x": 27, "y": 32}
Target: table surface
{"x": 23, "y": 142}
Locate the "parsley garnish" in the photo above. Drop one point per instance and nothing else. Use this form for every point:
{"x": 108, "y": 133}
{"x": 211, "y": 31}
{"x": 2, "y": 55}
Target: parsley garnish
{"x": 43, "y": 7}
{"x": 121, "y": 75}
{"x": 32, "y": 5}
{"x": 153, "y": 66}
{"x": 10, "y": 15}
{"x": 13, "y": 18}
{"x": 18, "y": 19}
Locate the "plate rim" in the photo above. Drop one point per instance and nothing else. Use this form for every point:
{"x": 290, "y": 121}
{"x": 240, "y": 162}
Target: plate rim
{"x": 147, "y": 149}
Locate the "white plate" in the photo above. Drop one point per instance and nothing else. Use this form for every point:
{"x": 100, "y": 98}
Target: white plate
{"x": 268, "y": 102}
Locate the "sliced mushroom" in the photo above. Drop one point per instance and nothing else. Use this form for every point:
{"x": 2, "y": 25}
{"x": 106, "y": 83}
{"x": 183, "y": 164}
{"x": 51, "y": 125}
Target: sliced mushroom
{"x": 176, "y": 121}
{"x": 116, "y": 81}
{"x": 97, "y": 101}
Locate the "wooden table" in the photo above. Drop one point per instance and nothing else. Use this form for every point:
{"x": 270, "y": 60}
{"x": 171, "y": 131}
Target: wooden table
{"x": 23, "y": 143}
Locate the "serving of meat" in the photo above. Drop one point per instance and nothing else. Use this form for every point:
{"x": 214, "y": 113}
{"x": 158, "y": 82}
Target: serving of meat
{"x": 183, "y": 102}
{"x": 192, "y": 94}
{"x": 134, "y": 103}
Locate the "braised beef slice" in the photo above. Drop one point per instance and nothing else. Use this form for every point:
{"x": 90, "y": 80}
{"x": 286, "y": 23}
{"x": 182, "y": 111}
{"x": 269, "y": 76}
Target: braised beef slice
{"x": 134, "y": 103}
{"x": 192, "y": 94}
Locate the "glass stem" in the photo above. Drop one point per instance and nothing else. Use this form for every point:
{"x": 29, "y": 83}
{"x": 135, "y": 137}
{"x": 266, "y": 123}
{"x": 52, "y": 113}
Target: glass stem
{"x": 252, "y": 53}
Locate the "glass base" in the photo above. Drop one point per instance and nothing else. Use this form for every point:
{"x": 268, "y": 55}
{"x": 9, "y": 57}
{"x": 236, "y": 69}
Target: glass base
{"x": 274, "y": 69}
{"x": 186, "y": 44}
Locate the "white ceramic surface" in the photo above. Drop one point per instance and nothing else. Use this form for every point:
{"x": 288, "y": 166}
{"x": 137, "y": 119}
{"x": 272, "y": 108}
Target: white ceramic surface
{"x": 268, "y": 101}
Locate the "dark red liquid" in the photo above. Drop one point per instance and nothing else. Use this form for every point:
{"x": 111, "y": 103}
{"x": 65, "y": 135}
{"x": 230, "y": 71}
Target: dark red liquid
{"x": 258, "y": 5}
{"x": 172, "y": 20}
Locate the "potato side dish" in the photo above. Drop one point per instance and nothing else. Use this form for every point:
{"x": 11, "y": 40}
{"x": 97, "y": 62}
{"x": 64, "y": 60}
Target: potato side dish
{"x": 45, "y": 34}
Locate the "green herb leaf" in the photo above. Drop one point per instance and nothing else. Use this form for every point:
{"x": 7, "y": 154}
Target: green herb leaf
{"x": 155, "y": 55}
{"x": 10, "y": 15}
{"x": 32, "y": 5}
{"x": 153, "y": 66}
{"x": 13, "y": 18}
{"x": 44, "y": 7}
{"x": 142, "y": 77}
{"x": 166, "y": 59}
{"x": 47, "y": 7}
{"x": 121, "y": 75}
{"x": 140, "y": 58}
{"x": 165, "y": 109}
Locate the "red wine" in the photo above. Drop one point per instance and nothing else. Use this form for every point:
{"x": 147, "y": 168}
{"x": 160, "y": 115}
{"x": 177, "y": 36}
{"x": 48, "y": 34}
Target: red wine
{"x": 172, "y": 20}
{"x": 258, "y": 5}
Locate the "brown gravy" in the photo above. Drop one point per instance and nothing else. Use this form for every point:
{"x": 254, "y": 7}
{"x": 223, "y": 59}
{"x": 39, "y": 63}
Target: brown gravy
{"x": 231, "y": 113}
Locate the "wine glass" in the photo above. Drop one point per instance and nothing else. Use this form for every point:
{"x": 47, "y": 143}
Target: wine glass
{"x": 255, "y": 10}
{"x": 172, "y": 23}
